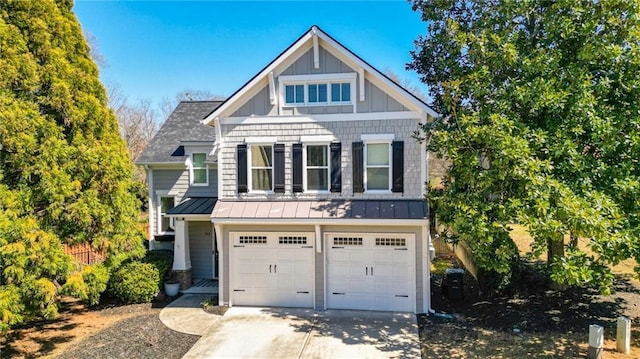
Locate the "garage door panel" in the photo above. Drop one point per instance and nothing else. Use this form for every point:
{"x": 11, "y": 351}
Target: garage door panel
{"x": 376, "y": 274}
{"x": 273, "y": 269}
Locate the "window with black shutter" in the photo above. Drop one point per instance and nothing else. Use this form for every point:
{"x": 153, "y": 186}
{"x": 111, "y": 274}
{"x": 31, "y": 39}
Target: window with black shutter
{"x": 398, "y": 166}
{"x": 336, "y": 167}
{"x": 358, "y": 168}
{"x": 278, "y": 168}
{"x": 242, "y": 168}
{"x": 296, "y": 154}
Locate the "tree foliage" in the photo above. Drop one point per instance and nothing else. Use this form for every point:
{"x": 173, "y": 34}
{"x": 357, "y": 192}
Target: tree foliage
{"x": 541, "y": 123}
{"x": 65, "y": 176}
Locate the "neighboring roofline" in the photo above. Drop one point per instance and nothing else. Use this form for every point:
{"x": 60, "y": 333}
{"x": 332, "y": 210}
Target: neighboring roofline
{"x": 295, "y": 46}
{"x": 159, "y": 163}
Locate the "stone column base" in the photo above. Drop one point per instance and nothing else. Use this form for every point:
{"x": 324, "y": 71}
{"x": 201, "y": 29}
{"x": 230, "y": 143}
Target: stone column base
{"x": 184, "y": 277}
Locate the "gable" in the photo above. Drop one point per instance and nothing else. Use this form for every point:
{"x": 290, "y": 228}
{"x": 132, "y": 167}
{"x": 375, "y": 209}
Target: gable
{"x": 314, "y": 56}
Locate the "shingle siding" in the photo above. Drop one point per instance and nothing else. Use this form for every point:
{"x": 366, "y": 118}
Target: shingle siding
{"x": 345, "y": 132}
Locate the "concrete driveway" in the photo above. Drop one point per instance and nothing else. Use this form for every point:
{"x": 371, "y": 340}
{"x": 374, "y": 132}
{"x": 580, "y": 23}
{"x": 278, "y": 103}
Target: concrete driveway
{"x": 245, "y": 332}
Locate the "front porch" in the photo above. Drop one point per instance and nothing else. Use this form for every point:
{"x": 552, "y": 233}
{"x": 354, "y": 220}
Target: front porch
{"x": 202, "y": 286}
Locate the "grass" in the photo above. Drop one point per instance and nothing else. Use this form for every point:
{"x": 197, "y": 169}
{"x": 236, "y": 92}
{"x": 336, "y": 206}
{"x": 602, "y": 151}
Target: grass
{"x": 440, "y": 265}
{"x": 523, "y": 240}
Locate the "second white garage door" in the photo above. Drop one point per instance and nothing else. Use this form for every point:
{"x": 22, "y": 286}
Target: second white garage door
{"x": 371, "y": 271}
{"x": 272, "y": 269}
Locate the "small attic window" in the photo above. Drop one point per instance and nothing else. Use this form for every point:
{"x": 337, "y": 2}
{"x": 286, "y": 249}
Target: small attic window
{"x": 318, "y": 90}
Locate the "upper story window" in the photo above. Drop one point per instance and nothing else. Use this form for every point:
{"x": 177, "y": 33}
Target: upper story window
{"x": 378, "y": 166}
{"x": 261, "y": 170}
{"x": 165, "y": 223}
{"x": 317, "y": 167}
{"x": 315, "y": 90}
{"x": 199, "y": 171}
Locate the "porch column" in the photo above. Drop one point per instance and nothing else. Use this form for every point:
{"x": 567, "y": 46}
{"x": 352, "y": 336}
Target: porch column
{"x": 181, "y": 255}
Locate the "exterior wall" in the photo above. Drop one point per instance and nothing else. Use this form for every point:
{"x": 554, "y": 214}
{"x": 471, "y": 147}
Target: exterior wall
{"x": 376, "y": 100}
{"x": 176, "y": 182}
{"x": 344, "y": 131}
{"x": 320, "y": 257}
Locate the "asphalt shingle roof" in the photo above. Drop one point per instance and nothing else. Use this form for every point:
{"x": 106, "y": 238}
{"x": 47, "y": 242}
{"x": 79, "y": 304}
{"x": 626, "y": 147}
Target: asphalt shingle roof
{"x": 183, "y": 125}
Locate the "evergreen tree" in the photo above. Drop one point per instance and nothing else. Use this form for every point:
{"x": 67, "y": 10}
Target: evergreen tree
{"x": 65, "y": 174}
{"x": 541, "y": 123}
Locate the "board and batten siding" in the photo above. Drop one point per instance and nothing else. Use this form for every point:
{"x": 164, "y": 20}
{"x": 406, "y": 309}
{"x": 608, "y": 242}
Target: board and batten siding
{"x": 176, "y": 182}
{"x": 376, "y": 100}
{"x": 345, "y": 132}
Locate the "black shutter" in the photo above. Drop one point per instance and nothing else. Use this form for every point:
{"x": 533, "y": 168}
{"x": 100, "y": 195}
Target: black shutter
{"x": 296, "y": 150}
{"x": 242, "y": 168}
{"x": 398, "y": 166}
{"x": 358, "y": 167}
{"x": 278, "y": 168}
{"x": 336, "y": 167}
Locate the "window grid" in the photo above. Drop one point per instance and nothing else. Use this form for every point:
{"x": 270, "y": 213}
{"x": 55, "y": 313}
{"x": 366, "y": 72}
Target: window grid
{"x": 347, "y": 241}
{"x": 371, "y": 168}
{"x": 253, "y": 239}
{"x": 261, "y": 170}
{"x": 321, "y": 168}
{"x": 165, "y": 223}
{"x": 391, "y": 242}
{"x": 317, "y": 93}
{"x": 199, "y": 168}
{"x": 292, "y": 240}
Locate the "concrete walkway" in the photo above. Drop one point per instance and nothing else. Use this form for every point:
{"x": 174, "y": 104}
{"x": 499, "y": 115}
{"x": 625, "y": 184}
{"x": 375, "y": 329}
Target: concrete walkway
{"x": 245, "y": 332}
{"x": 185, "y": 315}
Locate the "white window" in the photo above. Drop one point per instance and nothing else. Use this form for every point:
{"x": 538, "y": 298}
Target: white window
{"x": 261, "y": 167}
{"x": 165, "y": 223}
{"x": 377, "y": 162}
{"x": 199, "y": 171}
{"x": 315, "y": 90}
{"x": 340, "y": 92}
{"x": 316, "y": 167}
{"x": 294, "y": 94}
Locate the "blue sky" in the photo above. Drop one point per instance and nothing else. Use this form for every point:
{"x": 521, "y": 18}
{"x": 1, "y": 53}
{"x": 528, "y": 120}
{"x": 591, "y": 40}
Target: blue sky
{"x": 155, "y": 49}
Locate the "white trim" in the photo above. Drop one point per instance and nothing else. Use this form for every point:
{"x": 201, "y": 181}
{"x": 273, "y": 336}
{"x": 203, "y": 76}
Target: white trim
{"x": 371, "y": 140}
{"x": 318, "y": 230}
{"x": 190, "y": 217}
{"x": 378, "y": 137}
{"x": 426, "y": 270}
{"x": 159, "y": 194}
{"x": 191, "y": 167}
{"x": 338, "y": 76}
{"x": 250, "y": 166}
{"x": 272, "y": 89}
{"x": 202, "y": 144}
{"x": 424, "y": 168}
{"x": 261, "y": 140}
{"x": 298, "y": 48}
{"x": 368, "y": 116}
{"x": 317, "y": 138}
{"x": 220, "y": 246}
{"x": 304, "y": 168}
{"x": 361, "y": 83}
{"x": 316, "y": 52}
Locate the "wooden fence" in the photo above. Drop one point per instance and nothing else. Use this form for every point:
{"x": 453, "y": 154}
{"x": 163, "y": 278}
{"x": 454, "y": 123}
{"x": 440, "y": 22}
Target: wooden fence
{"x": 84, "y": 253}
{"x": 461, "y": 251}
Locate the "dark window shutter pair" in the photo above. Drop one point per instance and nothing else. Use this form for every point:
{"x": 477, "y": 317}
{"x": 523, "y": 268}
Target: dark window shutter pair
{"x": 397, "y": 171}
{"x": 278, "y": 168}
{"x": 336, "y": 167}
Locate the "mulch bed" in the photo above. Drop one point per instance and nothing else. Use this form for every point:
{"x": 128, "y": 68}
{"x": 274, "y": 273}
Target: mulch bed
{"x": 142, "y": 336}
{"x": 529, "y": 312}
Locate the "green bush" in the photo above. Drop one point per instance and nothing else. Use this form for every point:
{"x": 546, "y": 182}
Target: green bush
{"x": 87, "y": 285}
{"x": 162, "y": 260}
{"x": 135, "y": 282}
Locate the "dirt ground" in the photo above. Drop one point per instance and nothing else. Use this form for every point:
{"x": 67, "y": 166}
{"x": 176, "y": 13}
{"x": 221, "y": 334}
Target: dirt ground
{"x": 528, "y": 321}
{"x": 111, "y": 331}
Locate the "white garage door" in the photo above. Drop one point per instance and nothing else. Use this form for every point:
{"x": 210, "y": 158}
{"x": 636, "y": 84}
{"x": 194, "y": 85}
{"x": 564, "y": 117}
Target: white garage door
{"x": 371, "y": 271}
{"x": 272, "y": 269}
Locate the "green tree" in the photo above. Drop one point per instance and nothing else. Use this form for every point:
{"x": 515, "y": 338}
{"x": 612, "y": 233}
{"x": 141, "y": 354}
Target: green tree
{"x": 541, "y": 123}
{"x": 65, "y": 175}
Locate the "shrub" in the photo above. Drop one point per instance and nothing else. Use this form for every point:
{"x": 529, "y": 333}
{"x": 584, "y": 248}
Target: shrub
{"x": 162, "y": 260}
{"x": 87, "y": 285}
{"x": 135, "y": 282}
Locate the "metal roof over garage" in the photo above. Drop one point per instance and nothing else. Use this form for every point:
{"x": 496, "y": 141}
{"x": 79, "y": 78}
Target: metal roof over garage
{"x": 195, "y": 205}
{"x": 410, "y": 209}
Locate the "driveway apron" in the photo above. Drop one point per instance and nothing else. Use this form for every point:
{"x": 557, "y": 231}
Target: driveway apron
{"x": 248, "y": 332}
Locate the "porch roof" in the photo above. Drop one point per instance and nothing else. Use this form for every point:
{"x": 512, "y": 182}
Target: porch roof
{"x": 411, "y": 209}
{"x": 195, "y": 205}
